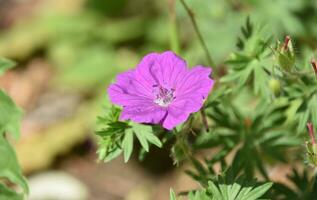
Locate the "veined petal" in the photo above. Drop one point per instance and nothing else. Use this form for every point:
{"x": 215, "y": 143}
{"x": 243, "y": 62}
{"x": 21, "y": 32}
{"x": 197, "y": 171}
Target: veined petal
{"x": 119, "y": 95}
{"x": 146, "y": 72}
{"x": 172, "y": 68}
{"x": 175, "y": 116}
{"x": 196, "y": 83}
{"x": 144, "y": 113}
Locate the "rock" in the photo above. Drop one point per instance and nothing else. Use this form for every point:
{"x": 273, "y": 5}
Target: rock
{"x": 56, "y": 185}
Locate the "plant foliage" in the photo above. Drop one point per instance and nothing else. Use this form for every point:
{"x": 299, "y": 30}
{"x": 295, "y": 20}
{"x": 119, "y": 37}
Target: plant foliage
{"x": 254, "y": 118}
{"x": 10, "y": 170}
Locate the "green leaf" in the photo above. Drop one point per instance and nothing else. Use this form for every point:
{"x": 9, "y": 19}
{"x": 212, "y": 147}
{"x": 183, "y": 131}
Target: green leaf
{"x": 10, "y": 123}
{"x": 172, "y": 195}
{"x": 9, "y": 167}
{"x": 216, "y": 194}
{"x": 10, "y": 116}
{"x": 145, "y": 135}
{"x": 142, "y": 140}
{"x": 199, "y": 195}
{"x": 113, "y": 154}
{"x": 5, "y": 64}
{"x": 127, "y": 144}
{"x": 112, "y": 129}
{"x": 154, "y": 140}
{"x": 258, "y": 192}
{"x": 8, "y": 194}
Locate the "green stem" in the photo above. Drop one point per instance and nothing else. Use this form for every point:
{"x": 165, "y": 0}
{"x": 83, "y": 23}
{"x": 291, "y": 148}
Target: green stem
{"x": 174, "y": 40}
{"x": 200, "y": 37}
{"x": 204, "y": 118}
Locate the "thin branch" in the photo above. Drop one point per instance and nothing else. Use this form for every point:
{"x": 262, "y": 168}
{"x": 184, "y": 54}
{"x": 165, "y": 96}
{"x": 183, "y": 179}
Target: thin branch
{"x": 200, "y": 37}
{"x": 204, "y": 119}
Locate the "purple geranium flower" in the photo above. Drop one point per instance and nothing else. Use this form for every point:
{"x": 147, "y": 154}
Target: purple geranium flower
{"x": 161, "y": 90}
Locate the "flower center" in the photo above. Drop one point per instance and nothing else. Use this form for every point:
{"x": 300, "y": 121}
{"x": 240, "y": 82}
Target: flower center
{"x": 163, "y": 96}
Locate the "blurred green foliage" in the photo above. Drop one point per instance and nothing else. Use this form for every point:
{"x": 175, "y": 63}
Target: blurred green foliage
{"x": 9, "y": 125}
{"x": 258, "y": 109}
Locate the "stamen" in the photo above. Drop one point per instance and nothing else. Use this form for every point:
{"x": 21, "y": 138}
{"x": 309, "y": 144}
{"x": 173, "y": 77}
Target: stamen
{"x": 163, "y": 96}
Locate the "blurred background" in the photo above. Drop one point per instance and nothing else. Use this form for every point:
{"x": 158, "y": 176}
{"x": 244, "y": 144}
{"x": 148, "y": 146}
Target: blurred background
{"x": 68, "y": 51}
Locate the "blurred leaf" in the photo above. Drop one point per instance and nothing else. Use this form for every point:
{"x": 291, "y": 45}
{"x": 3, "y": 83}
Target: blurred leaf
{"x": 198, "y": 195}
{"x": 172, "y": 195}
{"x": 118, "y": 31}
{"x": 9, "y": 167}
{"x": 251, "y": 63}
{"x": 10, "y": 116}
{"x": 5, "y": 64}
{"x": 8, "y": 194}
{"x": 109, "y": 7}
{"x": 91, "y": 67}
{"x": 305, "y": 187}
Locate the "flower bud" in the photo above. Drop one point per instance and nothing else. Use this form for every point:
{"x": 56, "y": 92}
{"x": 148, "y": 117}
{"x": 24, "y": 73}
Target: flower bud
{"x": 285, "y": 54}
{"x": 275, "y": 86}
{"x": 314, "y": 65}
{"x": 311, "y": 146}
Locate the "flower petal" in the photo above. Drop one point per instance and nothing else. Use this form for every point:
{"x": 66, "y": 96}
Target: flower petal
{"x": 172, "y": 68}
{"x": 195, "y": 83}
{"x": 175, "y": 116}
{"x": 128, "y": 91}
{"x": 144, "y": 113}
{"x": 146, "y": 71}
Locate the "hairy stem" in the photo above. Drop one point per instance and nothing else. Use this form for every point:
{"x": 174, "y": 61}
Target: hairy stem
{"x": 200, "y": 37}
{"x": 204, "y": 119}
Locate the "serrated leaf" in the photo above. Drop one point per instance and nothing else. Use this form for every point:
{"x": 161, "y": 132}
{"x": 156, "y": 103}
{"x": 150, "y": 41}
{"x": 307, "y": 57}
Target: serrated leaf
{"x": 145, "y": 134}
{"x": 112, "y": 155}
{"x": 234, "y": 190}
{"x": 199, "y": 195}
{"x": 213, "y": 189}
{"x": 154, "y": 140}
{"x": 127, "y": 144}
{"x": 258, "y": 192}
{"x": 142, "y": 140}
{"x": 112, "y": 129}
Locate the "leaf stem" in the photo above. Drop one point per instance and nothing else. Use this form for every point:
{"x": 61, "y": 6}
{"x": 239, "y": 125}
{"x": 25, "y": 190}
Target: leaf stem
{"x": 200, "y": 37}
